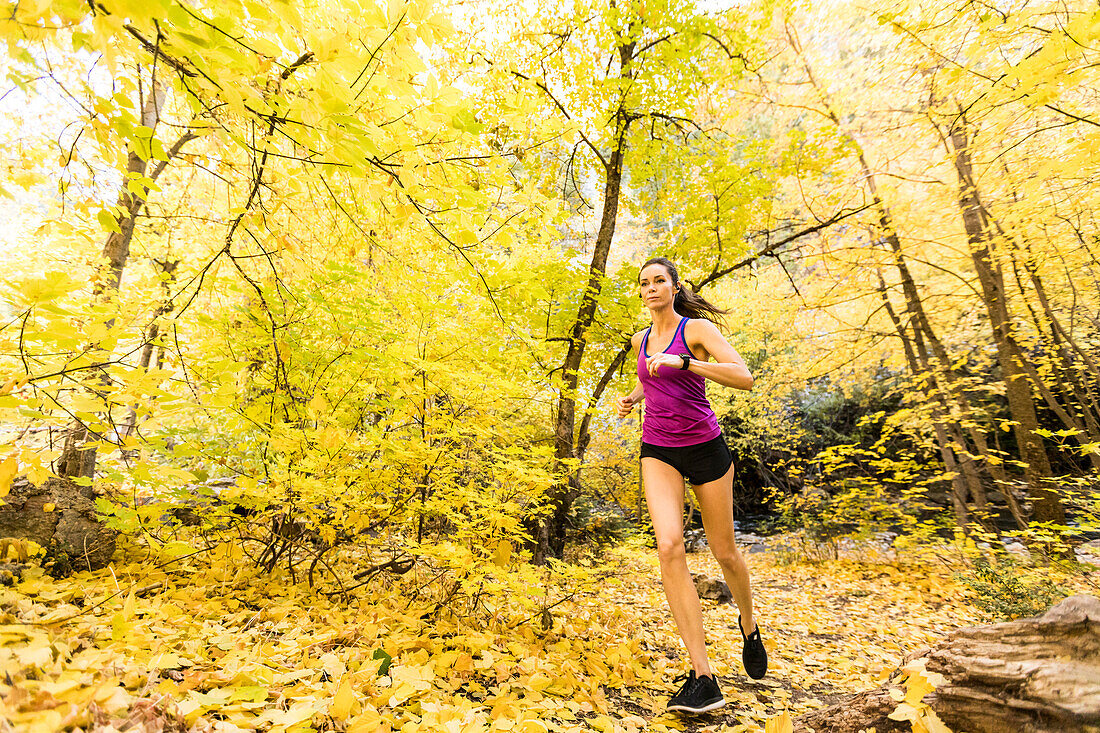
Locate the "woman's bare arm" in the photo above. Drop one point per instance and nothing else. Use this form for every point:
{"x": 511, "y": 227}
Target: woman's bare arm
{"x": 728, "y": 367}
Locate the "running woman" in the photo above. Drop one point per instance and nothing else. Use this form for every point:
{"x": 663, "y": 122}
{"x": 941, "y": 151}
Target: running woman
{"x": 681, "y": 439}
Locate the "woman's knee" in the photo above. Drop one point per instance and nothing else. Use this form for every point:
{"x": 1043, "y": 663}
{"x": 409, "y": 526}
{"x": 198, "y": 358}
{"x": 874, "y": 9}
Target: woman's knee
{"x": 670, "y": 549}
{"x": 729, "y": 558}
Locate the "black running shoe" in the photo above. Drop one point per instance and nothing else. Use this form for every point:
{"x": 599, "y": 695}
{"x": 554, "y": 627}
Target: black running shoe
{"x": 697, "y": 695}
{"x": 754, "y": 655}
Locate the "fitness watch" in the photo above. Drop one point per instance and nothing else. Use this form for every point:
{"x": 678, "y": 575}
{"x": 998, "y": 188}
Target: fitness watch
{"x": 687, "y": 360}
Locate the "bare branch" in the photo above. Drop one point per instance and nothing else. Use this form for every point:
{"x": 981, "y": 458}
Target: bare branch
{"x": 772, "y": 249}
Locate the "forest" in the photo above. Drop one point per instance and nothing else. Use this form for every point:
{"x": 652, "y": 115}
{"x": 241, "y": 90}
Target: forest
{"x": 313, "y": 317}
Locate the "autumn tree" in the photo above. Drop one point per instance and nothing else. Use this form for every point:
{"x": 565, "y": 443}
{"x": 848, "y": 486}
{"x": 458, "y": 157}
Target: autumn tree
{"x": 288, "y": 121}
{"x": 643, "y": 115}
{"x": 976, "y": 90}
{"x": 972, "y": 148}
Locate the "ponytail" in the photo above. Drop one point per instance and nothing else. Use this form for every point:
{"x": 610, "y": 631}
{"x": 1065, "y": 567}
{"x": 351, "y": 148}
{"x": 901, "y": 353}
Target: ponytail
{"x": 687, "y": 302}
{"x": 693, "y": 305}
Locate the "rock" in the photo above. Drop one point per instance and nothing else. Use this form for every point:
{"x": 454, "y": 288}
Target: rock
{"x": 886, "y": 538}
{"x": 204, "y": 501}
{"x": 72, "y": 523}
{"x": 22, "y": 514}
{"x": 10, "y": 573}
{"x": 695, "y": 540}
{"x": 1018, "y": 550}
{"x": 712, "y": 588}
{"x": 1088, "y": 551}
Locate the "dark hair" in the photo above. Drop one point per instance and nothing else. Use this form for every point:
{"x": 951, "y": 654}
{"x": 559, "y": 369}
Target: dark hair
{"x": 687, "y": 302}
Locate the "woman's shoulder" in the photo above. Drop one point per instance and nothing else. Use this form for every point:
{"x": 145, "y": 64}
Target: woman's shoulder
{"x": 636, "y": 339}
{"x": 699, "y": 328}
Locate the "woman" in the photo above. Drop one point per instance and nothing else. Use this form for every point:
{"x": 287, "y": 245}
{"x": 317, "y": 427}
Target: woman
{"x": 681, "y": 438}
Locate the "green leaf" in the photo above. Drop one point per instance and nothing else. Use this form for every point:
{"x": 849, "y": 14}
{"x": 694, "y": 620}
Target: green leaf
{"x": 383, "y": 668}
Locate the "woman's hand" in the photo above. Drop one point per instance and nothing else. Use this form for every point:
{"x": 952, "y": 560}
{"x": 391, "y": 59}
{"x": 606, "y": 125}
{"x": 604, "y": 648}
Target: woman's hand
{"x": 624, "y": 405}
{"x": 669, "y": 360}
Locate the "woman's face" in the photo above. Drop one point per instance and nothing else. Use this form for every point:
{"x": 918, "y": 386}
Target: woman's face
{"x": 655, "y": 286}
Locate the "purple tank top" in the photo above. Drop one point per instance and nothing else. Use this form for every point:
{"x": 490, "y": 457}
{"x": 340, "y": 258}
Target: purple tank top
{"x": 677, "y": 412}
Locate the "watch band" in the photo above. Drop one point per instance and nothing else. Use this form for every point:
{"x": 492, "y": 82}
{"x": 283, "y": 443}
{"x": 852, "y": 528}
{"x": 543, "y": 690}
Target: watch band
{"x": 687, "y": 361}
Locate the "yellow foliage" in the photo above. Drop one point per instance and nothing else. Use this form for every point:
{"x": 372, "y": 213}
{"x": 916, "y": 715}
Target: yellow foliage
{"x": 261, "y": 651}
{"x": 779, "y": 724}
{"x": 10, "y": 545}
{"x": 8, "y": 468}
{"x": 342, "y": 398}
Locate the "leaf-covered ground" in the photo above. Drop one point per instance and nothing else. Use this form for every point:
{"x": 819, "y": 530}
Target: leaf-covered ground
{"x": 206, "y": 643}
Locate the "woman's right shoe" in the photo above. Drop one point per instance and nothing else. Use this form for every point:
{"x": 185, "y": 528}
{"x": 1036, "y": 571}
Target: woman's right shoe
{"x": 697, "y": 695}
{"x": 754, "y": 655}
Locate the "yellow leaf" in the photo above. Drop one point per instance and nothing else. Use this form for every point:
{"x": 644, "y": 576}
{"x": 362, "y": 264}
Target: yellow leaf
{"x": 37, "y": 654}
{"x": 369, "y": 722}
{"x": 933, "y": 723}
{"x": 539, "y": 682}
{"x": 85, "y": 403}
{"x": 905, "y": 711}
{"x": 781, "y": 723}
{"x": 916, "y": 688}
{"x": 297, "y": 713}
{"x": 113, "y": 698}
{"x": 48, "y": 507}
{"x": 36, "y": 474}
{"x": 108, "y": 221}
{"x": 342, "y": 701}
{"x": 503, "y": 552}
{"x": 8, "y": 469}
{"x": 603, "y": 724}
{"x": 122, "y": 621}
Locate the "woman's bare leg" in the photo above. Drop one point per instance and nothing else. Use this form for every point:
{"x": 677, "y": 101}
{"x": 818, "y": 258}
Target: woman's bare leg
{"x": 716, "y": 505}
{"x": 664, "y": 495}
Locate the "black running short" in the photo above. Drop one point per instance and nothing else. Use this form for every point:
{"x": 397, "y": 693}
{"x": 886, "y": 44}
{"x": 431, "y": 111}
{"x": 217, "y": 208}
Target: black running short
{"x": 700, "y": 463}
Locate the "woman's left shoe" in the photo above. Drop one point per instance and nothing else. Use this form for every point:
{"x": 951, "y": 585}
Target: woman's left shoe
{"x": 754, "y": 655}
{"x": 697, "y": 695}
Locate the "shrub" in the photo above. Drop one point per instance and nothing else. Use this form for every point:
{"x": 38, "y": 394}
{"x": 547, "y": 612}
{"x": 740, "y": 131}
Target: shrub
{"x": 1007, "y": 589}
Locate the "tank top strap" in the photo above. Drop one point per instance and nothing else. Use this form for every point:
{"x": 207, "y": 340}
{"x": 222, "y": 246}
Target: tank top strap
{"x": 681, "y": 330}
{"x": 645, "y": 341}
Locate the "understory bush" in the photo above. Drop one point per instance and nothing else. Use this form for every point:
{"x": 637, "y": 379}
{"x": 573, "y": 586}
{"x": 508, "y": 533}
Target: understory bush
{"x": 597, "y": 525}
{"x": 1006, "y": 588}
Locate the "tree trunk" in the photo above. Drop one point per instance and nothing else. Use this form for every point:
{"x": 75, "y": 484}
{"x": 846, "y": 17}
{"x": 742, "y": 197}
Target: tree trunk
{"x": 550, "y": 532}
{"x": 583, "y": 435}
{"x": 1037, "y": 675}
{"x": 1077, "y": 406}
{"x": 73, "y": 521}
{"x": 1046, "y": 503}
{"x": 76, "y": 529}
{"x": 552, "y": 540}
{"x": 152, "y": 333}
{"x": 948, "y": 434}
{"x": 947, "y": 452}
{"x": 78, "y": 458}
